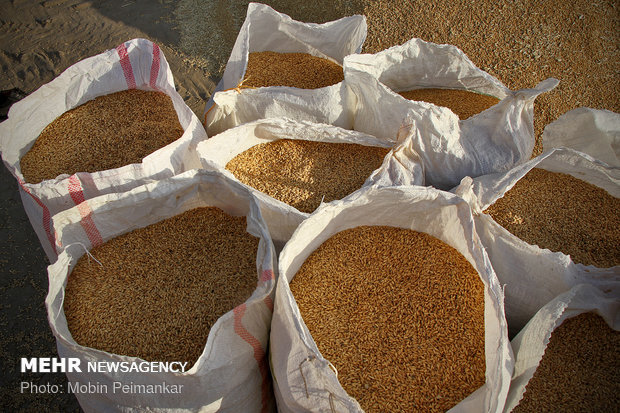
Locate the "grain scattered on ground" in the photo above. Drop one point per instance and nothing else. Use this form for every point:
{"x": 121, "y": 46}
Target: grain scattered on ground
{"x": 161, "y": 288}
{"x": 520, "y": 42}
{"x": 399, "y": 313}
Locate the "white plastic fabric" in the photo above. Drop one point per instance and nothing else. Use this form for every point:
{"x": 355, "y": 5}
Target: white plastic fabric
{"x": 533, "y": 276}
{"x": 530, "y": 344}
{"x": 399, "y": 166}
{"x": 440, "y": 214}
{"x": 231, "y": 374}
{"x": 137, "y": 63}
{"x": 492, "y": 141}
{"x": 592, "y": 131}
{"x": 265, "y": 29}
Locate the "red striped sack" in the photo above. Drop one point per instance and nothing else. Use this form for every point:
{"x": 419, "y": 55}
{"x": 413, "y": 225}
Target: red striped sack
{"x": 232, "y": 373}
{"x": 137, "y": 63}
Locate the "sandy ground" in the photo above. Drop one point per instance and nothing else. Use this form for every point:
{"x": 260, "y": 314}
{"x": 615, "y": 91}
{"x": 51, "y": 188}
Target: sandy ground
{"x": 519, "y": 42}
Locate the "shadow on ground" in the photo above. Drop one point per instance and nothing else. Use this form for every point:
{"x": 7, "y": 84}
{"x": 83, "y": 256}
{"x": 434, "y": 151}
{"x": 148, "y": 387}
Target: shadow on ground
{"x": 207, "y": 30}
{"x": 24, "y": 330}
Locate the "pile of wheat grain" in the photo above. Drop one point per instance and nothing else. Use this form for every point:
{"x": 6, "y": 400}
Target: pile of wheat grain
{"x": 399, "y": 313}
{"x": 159, "y": 289}
{"x": 104, "y": 133}
{"x": 463, "y": 103}
{"x": 578, "y": 371}
{"x": 301, "y": 70}
{"x": 304, "y": 173}
{"x": 562, "y": 213}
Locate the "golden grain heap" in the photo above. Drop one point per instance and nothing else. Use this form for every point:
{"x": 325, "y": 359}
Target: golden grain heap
{"x": 104, "y": 133}
{"x": 161, "y": 288}
{"x": 463, "y": 103}
{"x": 399, "y": 313}
{"x": 303, "y": 173}
{"x": 578, "y": 371}
{"x": 301, "y": 70}
{"x": 562, "y": 213}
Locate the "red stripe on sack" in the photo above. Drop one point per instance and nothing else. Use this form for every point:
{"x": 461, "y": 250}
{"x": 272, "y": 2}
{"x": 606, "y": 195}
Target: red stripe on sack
{"x": 94, "y": 236}
{"x": 126, "y": 65}
{"x": 269, "y": 303}
{"x": 75, "y": 190}
{"x": 77, "y": 194}
{"x": 154, "y": 67}
{"x": 259, "y": 354}
{"x": 46, "y": 215}
{"x": 267, "y": 275}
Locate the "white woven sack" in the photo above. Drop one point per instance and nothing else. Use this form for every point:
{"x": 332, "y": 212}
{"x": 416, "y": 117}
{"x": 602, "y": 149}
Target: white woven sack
{"x": 136, "y": 64}
{"x": 491, "y": 141}
{"x": 399, "y": 166}
{"x": 530, "y": 344}
{"x": 265, "y": 29}
{"x": 440, "y": 214}
{"x": 592, "y": 131}
{"x": 232, "y": 373}
{"x": 533, "y": 276}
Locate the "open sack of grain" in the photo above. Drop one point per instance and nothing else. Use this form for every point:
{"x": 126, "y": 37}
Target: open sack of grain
{"x": 294, "y": 166}
{"x": 566, "y": 357}
{"x": 386, "y": 301}
{"x": 107, "y": 124}
{"x": 547, "y": 225}
{"x": 283, "y": 67}
{"x": 177, "y": 271}
{"x": 468, "y": 123}
{"x": 592, "y": 131}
